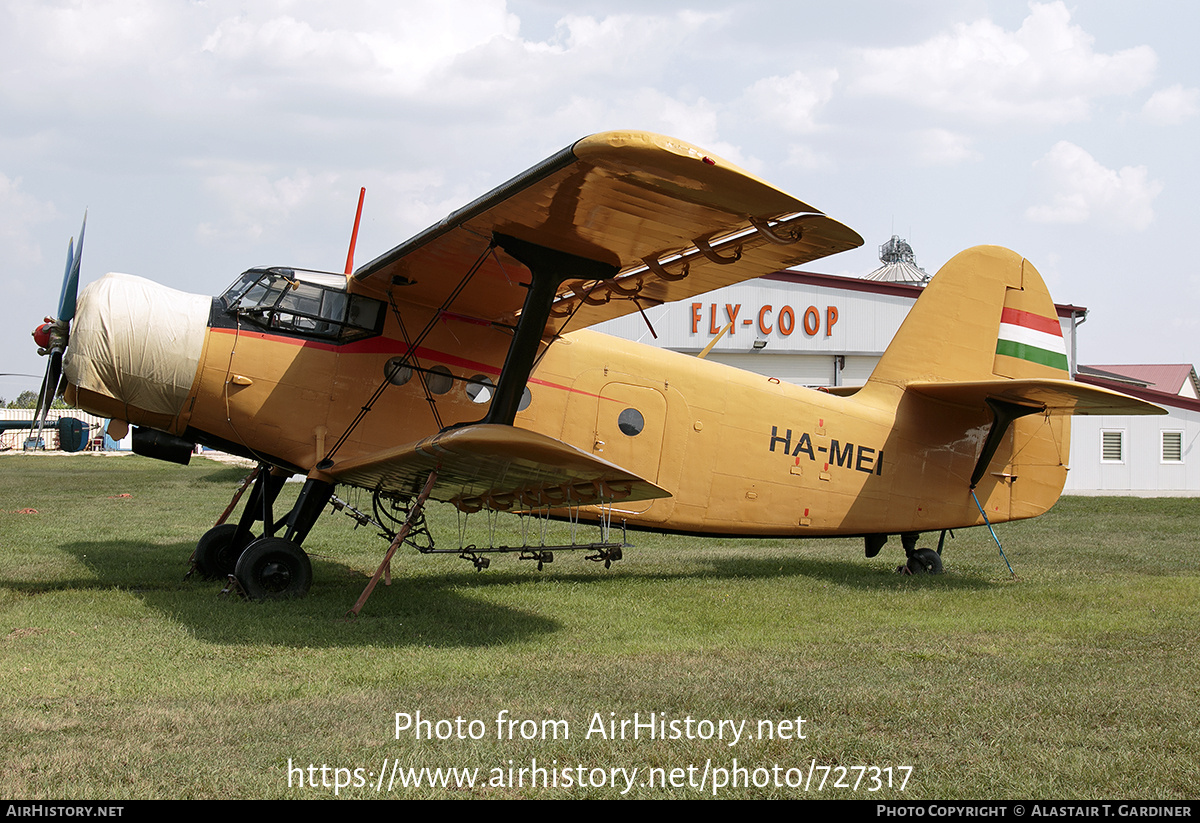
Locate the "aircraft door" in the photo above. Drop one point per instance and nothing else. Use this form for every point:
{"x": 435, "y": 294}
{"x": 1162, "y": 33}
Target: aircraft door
{"x": 630, "y": 423}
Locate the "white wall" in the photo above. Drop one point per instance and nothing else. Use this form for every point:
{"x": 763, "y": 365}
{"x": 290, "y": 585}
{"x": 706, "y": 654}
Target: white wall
{"x": 1141, "y": 467}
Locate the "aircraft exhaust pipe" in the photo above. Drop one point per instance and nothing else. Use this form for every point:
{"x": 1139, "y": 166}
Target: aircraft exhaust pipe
{"x": 162, "y": 446}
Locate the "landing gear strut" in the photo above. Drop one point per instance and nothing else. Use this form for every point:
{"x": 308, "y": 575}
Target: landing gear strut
{"x": 270, "y": 567}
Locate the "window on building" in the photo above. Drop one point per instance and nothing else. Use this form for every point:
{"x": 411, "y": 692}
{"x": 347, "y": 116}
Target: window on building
{"x": 1112, "y": 446}
{"x": 1172, "y": 447}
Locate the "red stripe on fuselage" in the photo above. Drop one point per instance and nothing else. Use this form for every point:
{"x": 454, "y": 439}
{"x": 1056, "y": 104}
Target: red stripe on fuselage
{"x": 386, "y": 345}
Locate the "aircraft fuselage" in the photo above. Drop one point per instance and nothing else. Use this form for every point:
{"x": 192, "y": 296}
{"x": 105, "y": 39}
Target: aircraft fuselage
{"x": 740, "y": 453}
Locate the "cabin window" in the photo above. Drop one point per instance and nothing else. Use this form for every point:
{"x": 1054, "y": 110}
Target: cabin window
{"x": 308, "y": 308}
{"x": 1112, "y": 446}
{"x": 396, "y": 372}
{"x": 439, "y": 380}
{"x": 1172, "y": 447}
{"x": 631, "y": 422}
{"x": 312, "y": 304}
{"x": 480, "y": 388}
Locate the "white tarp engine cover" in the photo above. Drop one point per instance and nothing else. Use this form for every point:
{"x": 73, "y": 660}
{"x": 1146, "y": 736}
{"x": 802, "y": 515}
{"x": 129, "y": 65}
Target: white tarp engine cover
{"x": 137, "y": 341}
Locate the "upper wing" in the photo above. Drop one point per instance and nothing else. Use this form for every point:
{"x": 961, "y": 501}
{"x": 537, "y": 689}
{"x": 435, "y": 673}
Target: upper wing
{"x": 1054, "y": 396}
{"x": 673, "y": 219}
{"x": 498, "y": 467}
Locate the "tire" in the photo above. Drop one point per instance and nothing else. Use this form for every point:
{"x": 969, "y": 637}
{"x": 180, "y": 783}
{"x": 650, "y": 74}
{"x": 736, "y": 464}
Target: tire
{"x": 272, "y": 568}
{"x": 216, "y": 556}
{"x": 925, "y": 561}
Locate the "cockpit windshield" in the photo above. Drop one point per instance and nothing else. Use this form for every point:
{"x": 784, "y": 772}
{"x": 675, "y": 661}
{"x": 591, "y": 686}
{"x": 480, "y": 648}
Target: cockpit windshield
{"x": 312, "y": 304}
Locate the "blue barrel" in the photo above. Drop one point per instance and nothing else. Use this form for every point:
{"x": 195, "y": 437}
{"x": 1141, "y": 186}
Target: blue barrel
{"x": 72, "y": 434}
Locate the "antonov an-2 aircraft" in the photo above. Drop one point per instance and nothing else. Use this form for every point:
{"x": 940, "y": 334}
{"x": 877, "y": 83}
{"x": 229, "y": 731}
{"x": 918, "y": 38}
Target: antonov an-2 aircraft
{"x": 458, "y": 367}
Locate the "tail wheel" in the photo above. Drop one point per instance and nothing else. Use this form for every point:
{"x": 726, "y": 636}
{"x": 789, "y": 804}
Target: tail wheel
{"x": 925, "y": 561}
{"x": 216, "y": 555}
{"x": 272, "y": 568}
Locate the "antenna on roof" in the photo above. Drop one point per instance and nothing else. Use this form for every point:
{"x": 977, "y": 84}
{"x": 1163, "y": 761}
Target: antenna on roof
{"x": 899, "y": 264}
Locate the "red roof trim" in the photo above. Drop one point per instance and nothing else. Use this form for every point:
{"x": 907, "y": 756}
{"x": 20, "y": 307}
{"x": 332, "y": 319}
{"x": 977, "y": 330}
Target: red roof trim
{"x": 1160, "y": 397}
{"x": 837, "y": 281}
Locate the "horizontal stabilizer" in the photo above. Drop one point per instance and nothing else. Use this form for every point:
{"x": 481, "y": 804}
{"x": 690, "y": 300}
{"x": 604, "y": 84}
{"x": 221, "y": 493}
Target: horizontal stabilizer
{"x": 497, "y": 467}
{"x": 1053, "y": 396}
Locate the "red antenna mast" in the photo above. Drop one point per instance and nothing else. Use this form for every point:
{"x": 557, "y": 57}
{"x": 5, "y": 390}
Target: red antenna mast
{"x": 362, "y": 193}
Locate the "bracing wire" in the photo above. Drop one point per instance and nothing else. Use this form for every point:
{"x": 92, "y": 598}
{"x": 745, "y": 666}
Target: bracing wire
{"x": 993, "y": 531}
{"x": 411, "y": 354}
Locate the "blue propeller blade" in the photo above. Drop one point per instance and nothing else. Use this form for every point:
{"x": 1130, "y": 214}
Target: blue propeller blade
{"x": 70, "y": 287}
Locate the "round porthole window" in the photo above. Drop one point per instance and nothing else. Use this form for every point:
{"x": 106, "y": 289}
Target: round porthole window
{"x": 397, "y": 374}
{"x": 526, "y": 399}
{"x": 439, "y": 380}
{"x": 631, "y": 422}
{"x": 480, "y": 388}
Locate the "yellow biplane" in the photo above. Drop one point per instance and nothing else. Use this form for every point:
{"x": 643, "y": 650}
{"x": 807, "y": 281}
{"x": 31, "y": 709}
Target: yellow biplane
{"x": 458, "y": 367}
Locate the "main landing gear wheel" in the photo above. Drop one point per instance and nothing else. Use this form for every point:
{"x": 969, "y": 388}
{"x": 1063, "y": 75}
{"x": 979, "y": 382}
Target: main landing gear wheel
{"x": 216, "y": 556}
{"x": 274, "y": 569}
{"x": 925, "y": 561}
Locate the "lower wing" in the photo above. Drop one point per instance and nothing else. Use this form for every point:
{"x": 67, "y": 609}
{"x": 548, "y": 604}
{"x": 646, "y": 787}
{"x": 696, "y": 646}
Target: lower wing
{"x": 497, "y": 467}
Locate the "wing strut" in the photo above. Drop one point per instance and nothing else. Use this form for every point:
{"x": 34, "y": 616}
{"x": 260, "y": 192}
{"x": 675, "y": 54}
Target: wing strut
{"x": 386, "y": 566}
{"x": 549, "y": 268}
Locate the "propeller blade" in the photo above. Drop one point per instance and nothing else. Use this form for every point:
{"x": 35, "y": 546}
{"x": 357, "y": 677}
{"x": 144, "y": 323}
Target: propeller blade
{"x": 70, "y": 287}
{"x": 37, "y": 412}
{"x": 46, "y": 395}
{"x": 55, "y": 381}
{"x": 62, "y": 386}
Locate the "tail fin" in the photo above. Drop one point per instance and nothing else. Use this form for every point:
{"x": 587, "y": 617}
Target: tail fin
{"x": 985, "y": 329}
{"x": 979, "y": 381}
{"x": 986, "y": 315}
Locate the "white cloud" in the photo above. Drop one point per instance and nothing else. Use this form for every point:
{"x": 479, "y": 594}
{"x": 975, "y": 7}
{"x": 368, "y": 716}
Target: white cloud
{"x": 303, "y": 78}
{"x": 605, "y": 59}
{"x": 791, "y": 103}
{"x": 626, "y": 41}
{"x": 1172, "y": 105}
{"x": 1081, "y": 191}
{"x": 79, "y": 38}
{"x": 940, "y": 147}
{"x": 364, "y": 49}
{"x": 808, "y": 159}
{"x": 1047, "y": 71}
{"x": 256, "y": 201}
{"x": 20, "y": 212}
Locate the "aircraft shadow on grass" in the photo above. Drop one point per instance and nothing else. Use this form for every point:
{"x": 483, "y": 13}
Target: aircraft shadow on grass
{"x": 227, "y": 476}
{"x": 425, "y": 610}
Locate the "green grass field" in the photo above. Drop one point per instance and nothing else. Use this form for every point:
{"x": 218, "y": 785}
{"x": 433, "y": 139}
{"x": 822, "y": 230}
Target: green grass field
{"x": 1076, "y": 679}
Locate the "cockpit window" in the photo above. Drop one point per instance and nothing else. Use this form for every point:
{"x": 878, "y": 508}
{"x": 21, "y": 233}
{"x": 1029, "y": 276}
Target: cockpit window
{"x": 307, "y": 303}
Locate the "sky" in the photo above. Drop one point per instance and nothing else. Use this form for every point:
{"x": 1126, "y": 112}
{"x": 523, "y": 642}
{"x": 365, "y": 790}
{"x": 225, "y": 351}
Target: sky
{"x": 208, "y": 136}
